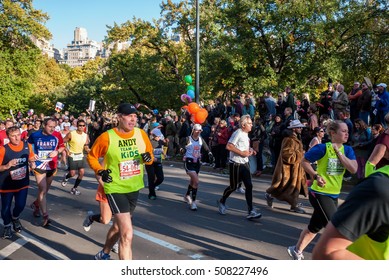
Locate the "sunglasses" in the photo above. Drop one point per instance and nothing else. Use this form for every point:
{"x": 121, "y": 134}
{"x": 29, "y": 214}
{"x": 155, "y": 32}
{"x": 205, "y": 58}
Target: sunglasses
{"x": 82, "y": 125}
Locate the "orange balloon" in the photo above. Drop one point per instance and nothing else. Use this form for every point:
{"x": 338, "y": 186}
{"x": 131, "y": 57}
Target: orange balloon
{"x": 193, "y": 107}
{"x": 201, "y": 116}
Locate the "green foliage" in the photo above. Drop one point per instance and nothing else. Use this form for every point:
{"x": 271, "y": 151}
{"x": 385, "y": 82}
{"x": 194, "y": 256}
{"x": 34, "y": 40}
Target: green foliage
{"x": 17, "y": 74}
{"x": 19, "y": 20}
{"x": 246, "y": 45}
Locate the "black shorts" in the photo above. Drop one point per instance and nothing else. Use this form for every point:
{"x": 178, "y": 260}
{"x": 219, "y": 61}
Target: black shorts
{"x": 191, "y": 166}
{"x": 76, "y": 164}
{"x": 123, "y": 202}
{"x": 48, "y": 173}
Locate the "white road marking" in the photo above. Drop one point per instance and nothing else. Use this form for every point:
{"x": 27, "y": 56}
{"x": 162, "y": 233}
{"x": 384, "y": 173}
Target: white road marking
{"x": 25, "y": 238}
{"x": 12, "y": 248}
{"x": 167, "y": 245}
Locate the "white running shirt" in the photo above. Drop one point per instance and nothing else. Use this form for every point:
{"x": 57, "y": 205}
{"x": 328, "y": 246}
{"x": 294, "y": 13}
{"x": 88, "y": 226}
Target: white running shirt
{"x": 241, "y": 141}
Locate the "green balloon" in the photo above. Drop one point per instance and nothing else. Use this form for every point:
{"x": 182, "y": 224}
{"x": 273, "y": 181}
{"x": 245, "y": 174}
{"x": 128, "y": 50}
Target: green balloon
{"x": 190, "y": 87}
{"x": 188, "y": 79}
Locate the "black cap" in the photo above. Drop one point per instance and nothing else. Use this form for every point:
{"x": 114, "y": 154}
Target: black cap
{"x": 126, "y": 109}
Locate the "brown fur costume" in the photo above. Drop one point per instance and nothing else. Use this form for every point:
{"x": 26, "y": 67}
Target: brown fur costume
{"x": 289, "y": 179}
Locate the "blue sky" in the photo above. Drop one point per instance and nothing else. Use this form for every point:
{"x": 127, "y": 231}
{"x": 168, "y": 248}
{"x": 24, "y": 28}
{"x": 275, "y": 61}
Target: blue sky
{"x": 94, "y": 15}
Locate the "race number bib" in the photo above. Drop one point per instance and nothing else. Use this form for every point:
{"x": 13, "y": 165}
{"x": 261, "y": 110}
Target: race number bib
{"x": 18, "y": 174}
{"x": 129, "y": 168}
{"x": 76, "y": 157}
{"x": 44, "y": 156}
{"x": 334, "y": 167}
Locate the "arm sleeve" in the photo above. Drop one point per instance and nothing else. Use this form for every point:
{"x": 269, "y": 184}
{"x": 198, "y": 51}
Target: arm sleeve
{"x": 30, "y": 150}
{"x": 149, "y": 147}
{"x": 99, "y": 149}
{"x": 2, "y": 153}
{"x": 315, "y": 153}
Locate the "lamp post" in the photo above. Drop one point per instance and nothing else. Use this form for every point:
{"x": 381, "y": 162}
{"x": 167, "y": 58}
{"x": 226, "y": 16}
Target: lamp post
{"x": 197, "y": 88}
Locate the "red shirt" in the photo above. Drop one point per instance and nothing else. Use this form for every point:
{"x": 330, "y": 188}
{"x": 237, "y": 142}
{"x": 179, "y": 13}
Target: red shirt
{"x": 3, "y": 138}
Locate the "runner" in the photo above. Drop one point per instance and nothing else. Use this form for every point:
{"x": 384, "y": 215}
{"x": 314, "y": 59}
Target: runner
{"x": 125, "y": 149}
{"x": 14, "y": 179}
{"x": 192, "y": 155}
{"x": 239, "y": 147}
{"x": 78, "y": 142}
{"x": 46, "y": 148}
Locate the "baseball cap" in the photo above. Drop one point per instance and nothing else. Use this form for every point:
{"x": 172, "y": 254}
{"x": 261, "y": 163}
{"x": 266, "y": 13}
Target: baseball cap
{"x": 127, "y": 109}
{"x": 381, "y": 85}
{"x": 197, "y": 127}
{"x": 156, "y": 132}
{"x": 155, "y": 125}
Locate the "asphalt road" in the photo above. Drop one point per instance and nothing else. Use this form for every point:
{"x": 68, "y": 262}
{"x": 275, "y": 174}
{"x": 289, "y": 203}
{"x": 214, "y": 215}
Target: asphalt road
{"x": 165, "y": 229}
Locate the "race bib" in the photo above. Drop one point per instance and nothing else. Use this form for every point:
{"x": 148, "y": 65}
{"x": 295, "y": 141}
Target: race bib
{"x": 44, "y": 156}
{"x": 76, "y": 157}
{"x": 19, "y": 174}
{"x": 334, "y": 167}
{"x": 129, "y": 168}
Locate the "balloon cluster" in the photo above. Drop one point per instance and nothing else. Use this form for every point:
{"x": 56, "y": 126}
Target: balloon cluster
{"x": 190, "y": 90}
{"x": 198, "y": 114}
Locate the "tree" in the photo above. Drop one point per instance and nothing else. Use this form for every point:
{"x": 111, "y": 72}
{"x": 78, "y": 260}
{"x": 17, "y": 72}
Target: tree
{"x": 19, "y": 57}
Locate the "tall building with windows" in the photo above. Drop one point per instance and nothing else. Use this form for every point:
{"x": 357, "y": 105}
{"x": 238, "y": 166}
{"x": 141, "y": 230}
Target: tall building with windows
{"x": 81, "y": 49}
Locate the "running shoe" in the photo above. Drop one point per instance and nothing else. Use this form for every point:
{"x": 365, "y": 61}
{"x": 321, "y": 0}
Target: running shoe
{"x": 269, "y": 200}
{"x": 64, "y": 181}
{"x": 17, "y": 226}
{"x": 152, "y": 197}
{"x": 115, "y": 247}
{"x": 222, "y": 207}
{"x": 46, "y": 221}
{"x": 294, "y": 254}
{"x": 241, "y": 190}
{"x": 74, "y": 191}
{"x": 88, "y": 222}
{"x": 7, "y": 233}
{"x": 188, "y": 199}
{"x": 102, "y": 256}
{"x": 297, "y": 209}
{"x": 193, "y": 206}
{"x": 35, "y": 206}
{"x": 157, "y": 188}
{"x": 254, "y": 214}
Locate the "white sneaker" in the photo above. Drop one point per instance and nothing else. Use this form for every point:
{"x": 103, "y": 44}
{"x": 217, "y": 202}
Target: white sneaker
{"x": 87, "y": 222}
{"x": 74, "y": 191}
{"x": 241, "y": 190}
{"x": 115, "y": 247}
{"x": 188, "y": 199}
{"x": 64, "y": 181}
{"x": 193, "y": 206}
{"x": 221, "y": 207}
{"x": 294, "y": 254}
{"x": 254, "y": 214}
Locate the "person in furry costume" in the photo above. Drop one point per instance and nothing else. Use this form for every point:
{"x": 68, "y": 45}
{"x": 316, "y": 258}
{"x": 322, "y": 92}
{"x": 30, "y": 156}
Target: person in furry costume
{"x": 289, "y": 178}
